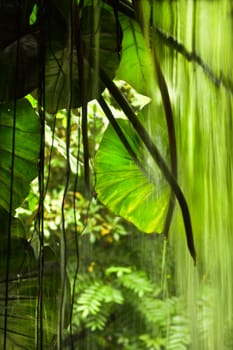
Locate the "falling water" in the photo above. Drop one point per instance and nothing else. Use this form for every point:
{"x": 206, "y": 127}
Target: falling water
{"x": 203, "y": 99}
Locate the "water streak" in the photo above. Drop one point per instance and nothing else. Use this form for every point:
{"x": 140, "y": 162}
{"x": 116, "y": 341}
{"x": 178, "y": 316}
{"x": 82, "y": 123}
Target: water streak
{"x": 204, "y": 130}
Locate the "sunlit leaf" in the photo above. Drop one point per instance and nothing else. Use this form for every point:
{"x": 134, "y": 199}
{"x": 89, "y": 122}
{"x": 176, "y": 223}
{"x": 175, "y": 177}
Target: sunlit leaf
{"x": 137, "y": 193}
{"x": 135, "y": 66}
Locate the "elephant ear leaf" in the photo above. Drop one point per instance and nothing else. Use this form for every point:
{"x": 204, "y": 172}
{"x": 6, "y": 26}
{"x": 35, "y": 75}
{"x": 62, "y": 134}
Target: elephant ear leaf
{"x": 139, "y": 194}
{"x": 20, "y": 144}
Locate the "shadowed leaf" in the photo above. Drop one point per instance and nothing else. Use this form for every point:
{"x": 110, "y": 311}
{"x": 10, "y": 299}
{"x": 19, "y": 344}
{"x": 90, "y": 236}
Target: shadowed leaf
{"x": 26, "y": 151}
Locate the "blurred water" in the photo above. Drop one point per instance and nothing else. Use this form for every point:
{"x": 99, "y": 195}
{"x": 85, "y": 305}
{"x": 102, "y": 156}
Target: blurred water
{"x": 203, "y": 101}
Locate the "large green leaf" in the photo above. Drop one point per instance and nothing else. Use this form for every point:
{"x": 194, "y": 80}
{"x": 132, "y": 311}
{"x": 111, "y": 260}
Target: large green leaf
{"x": 26, "y": 151}
{"x": 137, "y": 192}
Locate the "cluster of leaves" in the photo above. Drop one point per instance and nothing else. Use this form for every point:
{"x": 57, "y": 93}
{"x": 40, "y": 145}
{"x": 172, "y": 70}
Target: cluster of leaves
{"x": 124, "y": 310}
{"x": 117, "y": 302}
{"x": 20, "y": 135}
{"x": 64, "y": 53}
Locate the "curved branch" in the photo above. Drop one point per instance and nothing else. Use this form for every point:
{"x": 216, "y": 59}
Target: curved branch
{"x": 171, "y": 137}
{"x": 156, "y": 156}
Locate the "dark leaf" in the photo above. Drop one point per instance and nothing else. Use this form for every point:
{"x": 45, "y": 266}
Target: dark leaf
{"x": 19, "y": 68}
{"x": 26, "y": 151}
{"x": 99, "y": 43}
{"x": 14, "y": 19}
{"x": 23, "y": 289}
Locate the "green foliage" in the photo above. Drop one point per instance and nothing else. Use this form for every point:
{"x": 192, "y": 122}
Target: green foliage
{"x": 92, "y": 306}
{"x": 135, "y": 54}
{"x": 113, "y": 291}
{"x": 133, "y": 280}
{"x": 118, "y": 302}
{"x": 94, "y": 42}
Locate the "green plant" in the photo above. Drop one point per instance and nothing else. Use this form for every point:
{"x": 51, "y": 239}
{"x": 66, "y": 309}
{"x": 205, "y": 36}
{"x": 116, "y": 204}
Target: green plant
{"x": 79, "y": 48}
{"x": 65, "y": 53}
